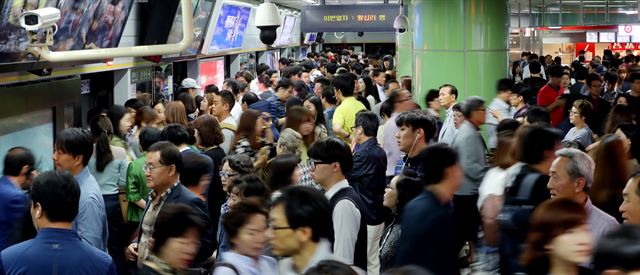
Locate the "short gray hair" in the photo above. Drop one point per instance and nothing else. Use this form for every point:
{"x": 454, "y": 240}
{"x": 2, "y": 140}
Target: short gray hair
{"x": 291, "y": 141}
{"x": 471, "y": 104}
{"x": 580, "y": 165}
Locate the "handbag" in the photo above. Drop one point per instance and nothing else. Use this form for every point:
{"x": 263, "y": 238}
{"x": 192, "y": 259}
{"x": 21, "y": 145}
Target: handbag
{"x": 124, "y": 204}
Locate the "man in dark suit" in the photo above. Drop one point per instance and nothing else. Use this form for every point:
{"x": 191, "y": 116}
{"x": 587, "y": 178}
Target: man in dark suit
{"x": 368, "y": 178}
{"x": 427, "y": 238}
{"x": 18, "y": 174}
{"x": 57, "y": 249}
{"x": 162, "y": 168}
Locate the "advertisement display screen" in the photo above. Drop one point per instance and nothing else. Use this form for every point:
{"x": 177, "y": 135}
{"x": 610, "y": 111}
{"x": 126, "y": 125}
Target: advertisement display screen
{"x": 607, "y": 37}
{"x": 202, "y": 10}
{"x": 82, "y": 25}
{"x": 592, "y": 37}
{"x": 211, "y": 72}
{"x": 229, "y": 28}
{"x": 286, "y": 30}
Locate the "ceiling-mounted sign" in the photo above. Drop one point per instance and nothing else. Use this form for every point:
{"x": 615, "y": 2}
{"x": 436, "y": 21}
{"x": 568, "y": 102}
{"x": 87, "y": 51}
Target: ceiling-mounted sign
{"x": 348, "y": 18}
{"x": 629, "y": 30}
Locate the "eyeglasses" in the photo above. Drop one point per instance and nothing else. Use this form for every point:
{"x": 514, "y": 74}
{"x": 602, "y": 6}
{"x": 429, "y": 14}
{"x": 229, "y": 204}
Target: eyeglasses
{"x": 314, "y": 163}
{"x": 226, "y": 175}
{"x": 274, "y": 228}
{"x": 389, "y": 186}
{"x": 148, "y": 167}
{"x": 574, "y": 113}
{"x": 406, "y": 99}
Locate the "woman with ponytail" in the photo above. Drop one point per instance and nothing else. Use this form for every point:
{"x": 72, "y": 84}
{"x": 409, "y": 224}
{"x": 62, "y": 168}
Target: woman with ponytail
{"x": 108, "y": 165}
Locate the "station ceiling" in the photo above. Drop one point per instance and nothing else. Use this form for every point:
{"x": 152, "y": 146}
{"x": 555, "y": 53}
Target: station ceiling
{"x": 515, "y": 6}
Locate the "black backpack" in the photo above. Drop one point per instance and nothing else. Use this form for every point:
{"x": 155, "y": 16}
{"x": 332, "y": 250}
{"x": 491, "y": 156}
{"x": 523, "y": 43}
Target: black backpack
{"x": 515, "y": 212}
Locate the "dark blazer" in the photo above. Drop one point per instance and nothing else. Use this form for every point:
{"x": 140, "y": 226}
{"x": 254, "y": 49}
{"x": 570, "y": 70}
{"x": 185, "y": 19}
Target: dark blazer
{"x": 12, "y": 208}
{"x": 368, "y": 179}
{"x": 182, "y": 195}
{"x": 427, "y": 237}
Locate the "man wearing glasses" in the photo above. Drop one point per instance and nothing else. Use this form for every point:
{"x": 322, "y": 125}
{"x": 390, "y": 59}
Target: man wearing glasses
{"x": 162, "y": 169}
{"x": 331, "y": 161}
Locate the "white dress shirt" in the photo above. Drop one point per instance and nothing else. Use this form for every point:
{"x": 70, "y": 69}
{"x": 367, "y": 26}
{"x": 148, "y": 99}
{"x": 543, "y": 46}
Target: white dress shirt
{"x": 381, "y": 93}
{"x": 346, "y": 223}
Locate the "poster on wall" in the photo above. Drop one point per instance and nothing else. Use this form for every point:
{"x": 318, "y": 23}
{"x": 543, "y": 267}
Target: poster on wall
{"x": 589, "y": 49}
{"x": 211, "y": 72}
{"x": 229, "y": 28}
{"x": 272, "y": 59}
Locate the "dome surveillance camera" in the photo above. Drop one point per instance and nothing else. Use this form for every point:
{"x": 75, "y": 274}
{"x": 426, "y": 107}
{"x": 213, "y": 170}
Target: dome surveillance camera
{"x": 401, "y": 23}
{"x": 268, "y": 21}
{"x": 360, "y": 34}
{"x": 39, "y": 19}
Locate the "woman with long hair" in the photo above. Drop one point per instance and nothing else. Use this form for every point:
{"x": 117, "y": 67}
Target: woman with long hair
{"x": 619, "y": 114}
{"x": 175, "y": 112}
{"x": 284, "y": 172}
{"x": 610, "y": 175}
{"x": 622, "y": 83}
{"x": 145, "y": 117}
{"x": 208, "y": 139}
{"x": 190, "y": 106}
{"x": 516, "y": 72}
{"x": 301, "y": 120}
{"x": 368, "y": 90}
{"x": 559, "y": 239}
{"x": 314, "y": 105}
{"x": 254, "y": 133}
{"x": 158, "y": 106}
{"x": 399, "y": 192}
{"x": 109, "y": 167}
{"x": 122, "y": 122}
{"x": 206, "y": 106}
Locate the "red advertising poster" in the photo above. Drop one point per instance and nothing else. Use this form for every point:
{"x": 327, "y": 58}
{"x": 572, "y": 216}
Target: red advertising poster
{"x": 621, "y": 47}
{"x": 211, "y": 72}
{"x": 589, "y": 49}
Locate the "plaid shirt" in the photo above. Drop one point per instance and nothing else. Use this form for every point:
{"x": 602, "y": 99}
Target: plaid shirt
{"x": 276, "y": 108}
{"x": 149, "y": 221}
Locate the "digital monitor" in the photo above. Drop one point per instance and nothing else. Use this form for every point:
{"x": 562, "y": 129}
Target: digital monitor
{"x": 91, "y": 24}
{"x": 201, "y": 14}
{"x": 592, "y": 37}
{"x": 623, "y": 38}
{"x": 635, "y": 39}
{"x": 83, "y": 24}
{"x": 228, "y": 31}
{"x": 211, "y": 72}
{"x": 607, "y": 37}
{"x": 286, "y": 30}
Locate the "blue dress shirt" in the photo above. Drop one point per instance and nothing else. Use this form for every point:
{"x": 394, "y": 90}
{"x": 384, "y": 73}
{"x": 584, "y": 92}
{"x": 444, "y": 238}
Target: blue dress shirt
{"x": 91, "y": 222}
{"x": 55, "y": 251}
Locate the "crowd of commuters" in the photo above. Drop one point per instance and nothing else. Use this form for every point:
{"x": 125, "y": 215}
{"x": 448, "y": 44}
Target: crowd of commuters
{"x": 328, "y": 165}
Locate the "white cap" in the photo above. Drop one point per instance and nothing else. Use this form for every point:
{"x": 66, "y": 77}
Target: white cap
{"x": 190, "y": 83}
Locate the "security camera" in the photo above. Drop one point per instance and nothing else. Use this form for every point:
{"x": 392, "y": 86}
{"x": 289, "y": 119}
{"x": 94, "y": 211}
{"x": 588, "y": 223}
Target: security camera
{"x": 268, "y": 21}
{"x": 39, "y": 19}
{"x": 401, "y": 23}
{"x": 360, "y": 34}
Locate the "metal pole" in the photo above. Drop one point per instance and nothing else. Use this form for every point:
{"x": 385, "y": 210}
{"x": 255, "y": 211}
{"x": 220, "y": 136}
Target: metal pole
{"x": 560, "y": 10}
{"x": 606, "y": 11}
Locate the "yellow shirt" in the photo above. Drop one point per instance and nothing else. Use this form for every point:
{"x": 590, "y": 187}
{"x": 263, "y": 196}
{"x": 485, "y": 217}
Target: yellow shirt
{"x": 345, "y": 114}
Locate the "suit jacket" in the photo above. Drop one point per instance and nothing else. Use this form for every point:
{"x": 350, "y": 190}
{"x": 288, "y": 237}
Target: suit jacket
{"x": 368, "y": 179}
{"x": 182, "y": 195}
{"x": 471, "y": 151}
{"x": 12, "y": 208}
{"x": 427, "y": 236}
